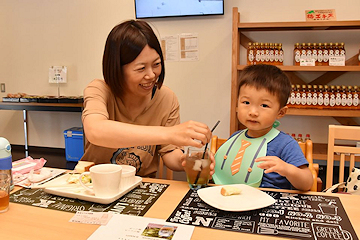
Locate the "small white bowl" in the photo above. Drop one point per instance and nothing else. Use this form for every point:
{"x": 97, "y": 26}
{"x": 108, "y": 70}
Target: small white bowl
{"x": 127, "y": 176}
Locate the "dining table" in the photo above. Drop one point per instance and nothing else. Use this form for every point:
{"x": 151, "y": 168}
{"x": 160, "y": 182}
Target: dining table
{"x": 28, "y": 222}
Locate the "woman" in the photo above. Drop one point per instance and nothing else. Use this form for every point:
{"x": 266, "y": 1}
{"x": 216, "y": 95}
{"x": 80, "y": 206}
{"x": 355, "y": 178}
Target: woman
{"x": 130, "y": 117}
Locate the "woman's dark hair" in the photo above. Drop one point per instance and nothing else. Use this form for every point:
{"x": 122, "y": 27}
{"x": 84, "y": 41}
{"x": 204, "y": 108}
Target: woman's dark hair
{"x": 124, "y": 43}
{"x": 267, "y": 77}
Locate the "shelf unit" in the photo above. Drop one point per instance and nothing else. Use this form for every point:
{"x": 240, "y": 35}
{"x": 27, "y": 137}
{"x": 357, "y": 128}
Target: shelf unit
{"x": 331, "y": 72}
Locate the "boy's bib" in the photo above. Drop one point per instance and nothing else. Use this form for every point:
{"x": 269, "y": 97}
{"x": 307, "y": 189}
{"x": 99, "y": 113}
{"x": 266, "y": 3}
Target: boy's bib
{"x": 235, "y": 159}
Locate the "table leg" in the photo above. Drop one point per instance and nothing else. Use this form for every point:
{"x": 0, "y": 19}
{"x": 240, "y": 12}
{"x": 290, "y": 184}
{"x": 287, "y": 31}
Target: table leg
{"x": 25, "y": 132}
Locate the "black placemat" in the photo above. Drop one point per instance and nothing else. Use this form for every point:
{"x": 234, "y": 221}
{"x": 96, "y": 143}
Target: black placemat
{"x": 137, "y": 202}
{"x": 292, "y": 215}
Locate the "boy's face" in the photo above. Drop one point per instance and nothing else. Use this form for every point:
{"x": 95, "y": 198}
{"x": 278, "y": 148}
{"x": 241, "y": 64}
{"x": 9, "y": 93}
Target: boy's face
{"x": 258, "y": 110}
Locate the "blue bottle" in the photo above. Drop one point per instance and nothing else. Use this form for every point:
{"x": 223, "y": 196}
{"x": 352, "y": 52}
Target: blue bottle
{"x": 6, "y": 159}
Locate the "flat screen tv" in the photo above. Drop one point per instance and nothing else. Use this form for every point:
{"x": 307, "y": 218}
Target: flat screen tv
{"x": 177, "y": 8}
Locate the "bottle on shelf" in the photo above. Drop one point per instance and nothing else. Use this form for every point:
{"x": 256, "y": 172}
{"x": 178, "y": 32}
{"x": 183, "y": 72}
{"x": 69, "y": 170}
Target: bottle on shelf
{"x": 262, "y": 53}
{"x": 332, "y": 96}
{"x": 326, "y": 96}
{"x": 349, "y": 102}
{"x": 309, "y": 52}
{"x": 309, "y": 97}
{"x": 331, "y": 49}
{"x": 355, "y": 95}
{"x": 303, "y": 96}
{"x": 291, "y": 100}
{"x": 303, "y": 53}
{"x": 250, "y": 54}
{"x": 315, "y": 95}
{"x": 257, "y": 53}
{"x": 343, "y": 96}
{"x": 320, "y": 55}
{"x": 300, "y": 138}
{"x": 281, "y": 54}
{"x": 314, "y": 53}
{"x": 271, "y": 54}
{"x": 320, "y": 99}
{"x": 276, "y": 54}
{"x": 325, "y": 55}
{"x": 267, "y": 53}
{"x": 338, "y": 97}
{"x": 297, "y": 95}
{"x": 307, "y": 137}
{"x": 331, "y": 53}
{"x": 342, "y": 50}
{"x": 336, "y": 50}
{"x": 293, "y": 136}
{"x": 297, "y": 53}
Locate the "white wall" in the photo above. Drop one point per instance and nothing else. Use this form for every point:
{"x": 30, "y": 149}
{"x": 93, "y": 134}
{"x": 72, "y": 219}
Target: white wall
{"x": 37, "y": 34}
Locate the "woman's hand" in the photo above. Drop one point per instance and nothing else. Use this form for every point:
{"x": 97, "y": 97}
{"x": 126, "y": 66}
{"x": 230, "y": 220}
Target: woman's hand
{"x": 190, "y": 133}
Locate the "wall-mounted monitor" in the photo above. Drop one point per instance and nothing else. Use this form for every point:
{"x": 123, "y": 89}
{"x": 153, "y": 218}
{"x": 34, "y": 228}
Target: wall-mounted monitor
{"x": 177, "y": 8}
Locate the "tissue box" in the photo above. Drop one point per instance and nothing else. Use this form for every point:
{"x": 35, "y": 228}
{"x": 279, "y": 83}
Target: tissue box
{"x": 74, "y": 143}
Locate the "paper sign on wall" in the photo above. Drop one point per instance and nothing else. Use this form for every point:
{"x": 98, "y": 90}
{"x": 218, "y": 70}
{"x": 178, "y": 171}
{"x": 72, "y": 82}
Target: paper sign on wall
{"x": 189, "y": 49}
{"x": 170, "y": 47}
{"x": 183, "y": 47}
{"x": 57, "y": 74}
{"x": 320, "y": 15}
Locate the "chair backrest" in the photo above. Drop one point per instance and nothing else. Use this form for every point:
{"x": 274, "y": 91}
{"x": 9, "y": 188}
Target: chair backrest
{"x": 169, "y": 174}
{"x": 347, "y": 153}
{"x": 216, "y": 143}
{"x": 306, "y": 147}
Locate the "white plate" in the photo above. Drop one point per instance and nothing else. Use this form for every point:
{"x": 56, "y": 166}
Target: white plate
{"x": 249, "y": 199}
{"x": 59, "y": 186}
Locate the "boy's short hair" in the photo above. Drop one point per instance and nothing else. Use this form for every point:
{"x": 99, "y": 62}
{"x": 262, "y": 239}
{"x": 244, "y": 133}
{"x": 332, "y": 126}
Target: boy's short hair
{"x": 269, "y": 77}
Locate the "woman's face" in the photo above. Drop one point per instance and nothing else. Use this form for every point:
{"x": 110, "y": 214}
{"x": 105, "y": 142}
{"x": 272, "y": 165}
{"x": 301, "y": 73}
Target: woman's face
{"x": 141, "y": 74}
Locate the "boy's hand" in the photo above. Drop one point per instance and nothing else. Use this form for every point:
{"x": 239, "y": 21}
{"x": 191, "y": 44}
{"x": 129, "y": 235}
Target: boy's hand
{"x": 212, "y": 165}
{"x": 273, "y": 164}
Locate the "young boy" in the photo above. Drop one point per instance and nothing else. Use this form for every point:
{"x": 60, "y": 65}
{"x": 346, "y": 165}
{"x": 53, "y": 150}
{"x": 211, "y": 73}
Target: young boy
{"x": 260, "y": 155}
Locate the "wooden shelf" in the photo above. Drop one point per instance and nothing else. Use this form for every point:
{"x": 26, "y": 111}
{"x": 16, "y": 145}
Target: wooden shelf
{"x": 330, "y": 73}
{"x": 322, "y": 112}
{"x": 314, "y": 69}
{"x": 299, "y": 26}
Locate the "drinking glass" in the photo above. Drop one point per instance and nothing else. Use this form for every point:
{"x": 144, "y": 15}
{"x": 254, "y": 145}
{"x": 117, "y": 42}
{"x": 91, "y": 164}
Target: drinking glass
{"x": 4, "y": 192}
{"x": 197, "y": 167}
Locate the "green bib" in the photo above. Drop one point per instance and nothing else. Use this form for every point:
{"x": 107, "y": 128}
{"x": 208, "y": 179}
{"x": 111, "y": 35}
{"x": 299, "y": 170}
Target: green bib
{"x": 235, "y": 159}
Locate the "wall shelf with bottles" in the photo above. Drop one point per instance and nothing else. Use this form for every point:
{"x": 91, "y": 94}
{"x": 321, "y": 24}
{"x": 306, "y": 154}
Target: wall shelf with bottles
{"x": 330, "y": 72}
{"x": 314, "y": 69}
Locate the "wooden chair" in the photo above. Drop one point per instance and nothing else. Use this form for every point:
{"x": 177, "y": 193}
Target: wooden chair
{"x": 338, "y": 132}
{"x": 307, "y": 149}
{"x": 169, "y": 174}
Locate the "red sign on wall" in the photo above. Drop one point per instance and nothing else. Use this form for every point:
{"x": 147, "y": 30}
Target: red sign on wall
{"x": 320, "y": 15}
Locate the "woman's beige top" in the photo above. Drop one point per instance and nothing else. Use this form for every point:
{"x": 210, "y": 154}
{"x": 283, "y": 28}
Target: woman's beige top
{"x": 162, "y": 110}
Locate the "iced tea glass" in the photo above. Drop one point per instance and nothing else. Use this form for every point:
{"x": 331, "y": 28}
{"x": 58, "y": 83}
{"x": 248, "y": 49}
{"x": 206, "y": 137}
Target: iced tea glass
{"x": 4, "y": 192}
{"x": 197, "y": 167}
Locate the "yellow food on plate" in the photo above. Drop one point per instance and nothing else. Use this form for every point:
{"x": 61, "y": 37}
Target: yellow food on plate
{"x": 74, "y": 178}
{"x": 230, "y": 190}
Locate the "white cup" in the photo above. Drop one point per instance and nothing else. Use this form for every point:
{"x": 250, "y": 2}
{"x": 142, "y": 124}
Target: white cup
{"x": 105, "y": 180}
{"x": 128, "y": 176}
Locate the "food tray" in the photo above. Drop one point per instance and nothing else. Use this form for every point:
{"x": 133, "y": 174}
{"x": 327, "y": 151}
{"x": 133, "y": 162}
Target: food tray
{"x": 7, "y": 99}
{"x": 61, "y": 187}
